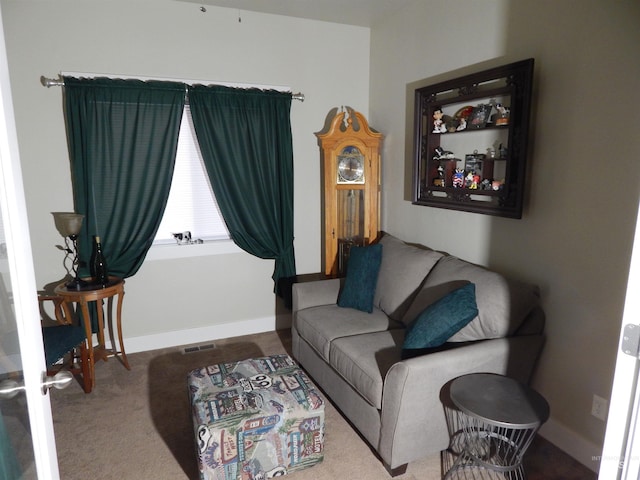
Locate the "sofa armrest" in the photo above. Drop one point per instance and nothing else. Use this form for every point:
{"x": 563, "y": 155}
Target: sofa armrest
{"x": 415, "y": 392}
{"x": 313, "y": 294}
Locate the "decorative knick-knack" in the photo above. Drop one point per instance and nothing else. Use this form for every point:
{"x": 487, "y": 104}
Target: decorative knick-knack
{"x": 458, "y": 178}
{"x": 438, "y": 121}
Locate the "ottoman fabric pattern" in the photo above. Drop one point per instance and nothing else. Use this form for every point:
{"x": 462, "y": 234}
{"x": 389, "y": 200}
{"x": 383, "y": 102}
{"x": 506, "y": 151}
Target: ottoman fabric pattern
{"x": 255, "y": 419}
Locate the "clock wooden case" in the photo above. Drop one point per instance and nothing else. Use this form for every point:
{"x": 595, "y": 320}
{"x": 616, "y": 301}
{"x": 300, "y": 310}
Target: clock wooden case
{"x": 350, "y": 157}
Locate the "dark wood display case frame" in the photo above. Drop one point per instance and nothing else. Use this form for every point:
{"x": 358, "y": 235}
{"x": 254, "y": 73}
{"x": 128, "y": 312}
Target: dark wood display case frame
{"x": 438, "y": 156}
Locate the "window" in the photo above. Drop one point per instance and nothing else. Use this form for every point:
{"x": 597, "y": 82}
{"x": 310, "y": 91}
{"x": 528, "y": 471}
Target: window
{"x": 192, "y": 205}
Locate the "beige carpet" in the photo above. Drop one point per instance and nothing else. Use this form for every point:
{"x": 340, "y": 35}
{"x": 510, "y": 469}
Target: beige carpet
{"x": 136, "y": 424}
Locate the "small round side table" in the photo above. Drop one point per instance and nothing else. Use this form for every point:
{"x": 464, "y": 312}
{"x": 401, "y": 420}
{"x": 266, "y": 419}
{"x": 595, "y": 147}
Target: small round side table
{"x": 499, "y": 418}
{"x": 97, "y": 293}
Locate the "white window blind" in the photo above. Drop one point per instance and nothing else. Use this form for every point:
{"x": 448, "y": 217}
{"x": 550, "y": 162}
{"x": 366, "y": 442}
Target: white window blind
{"x": 192, "y": 205}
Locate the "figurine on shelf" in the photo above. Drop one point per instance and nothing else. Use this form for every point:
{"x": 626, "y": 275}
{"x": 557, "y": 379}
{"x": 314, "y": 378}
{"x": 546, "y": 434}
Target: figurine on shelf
{"x": 438, "y": 122}
{"x": 458, "y": 178}
{"x": 439, "y": 182}
{"x": 443, "y": 154}
{"x": 497, "y": 185}
{"x": 502, "y": 117}
{"x": 472, "y": 180}
{"x": 468, "y": 180}
{"x": 486, "y": 184}
{"x": 462, "y": 125}
{"x": 475, "y": 182}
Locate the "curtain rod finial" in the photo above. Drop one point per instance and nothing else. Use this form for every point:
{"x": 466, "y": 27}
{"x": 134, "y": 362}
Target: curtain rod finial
{"x": 51, "y": 82}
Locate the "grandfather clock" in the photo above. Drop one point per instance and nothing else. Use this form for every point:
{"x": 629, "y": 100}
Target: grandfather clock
{"x": 350, "y": 153}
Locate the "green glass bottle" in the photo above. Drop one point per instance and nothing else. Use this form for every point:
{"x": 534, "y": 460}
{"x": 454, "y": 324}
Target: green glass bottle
{"x": 98, "y": 265}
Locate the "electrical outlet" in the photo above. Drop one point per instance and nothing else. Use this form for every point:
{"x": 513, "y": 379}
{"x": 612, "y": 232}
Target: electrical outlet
{"x": 599, "y": 407}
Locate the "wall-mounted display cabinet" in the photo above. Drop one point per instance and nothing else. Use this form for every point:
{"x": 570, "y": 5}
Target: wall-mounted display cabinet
{"x": 470, "y": 145}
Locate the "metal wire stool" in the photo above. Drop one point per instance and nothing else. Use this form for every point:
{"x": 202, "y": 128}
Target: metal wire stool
{"x": 496, "y": 422}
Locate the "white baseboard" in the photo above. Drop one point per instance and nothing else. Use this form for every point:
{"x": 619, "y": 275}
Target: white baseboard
{"x": 584, "y": 451}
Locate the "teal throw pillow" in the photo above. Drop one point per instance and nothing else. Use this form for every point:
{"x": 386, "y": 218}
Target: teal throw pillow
{"x": 362, "y": 277}
{"x": 441, "y": 320}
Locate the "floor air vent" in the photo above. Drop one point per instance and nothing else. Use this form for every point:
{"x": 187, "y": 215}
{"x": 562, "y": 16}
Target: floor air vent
{"x": 197, "y": 348}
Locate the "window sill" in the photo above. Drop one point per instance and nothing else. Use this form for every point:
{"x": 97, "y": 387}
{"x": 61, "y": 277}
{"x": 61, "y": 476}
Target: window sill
{"x": 174, "y": 251}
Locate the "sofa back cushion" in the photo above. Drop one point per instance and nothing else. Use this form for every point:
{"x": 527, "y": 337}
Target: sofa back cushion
{"x": 441, "y": 320}
{"x": 502, "y": 304}
{"x": 362, "y": 277}
{"x": 402, "y": 271}
{"x": 427, "y": 296}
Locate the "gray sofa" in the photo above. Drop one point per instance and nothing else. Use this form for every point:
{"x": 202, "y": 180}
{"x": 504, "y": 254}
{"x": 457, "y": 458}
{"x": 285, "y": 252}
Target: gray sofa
{"x": 357, "y": 358}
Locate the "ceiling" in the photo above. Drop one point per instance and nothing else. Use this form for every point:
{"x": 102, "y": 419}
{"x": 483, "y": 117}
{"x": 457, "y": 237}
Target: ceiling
{"x": 364, "y": 13}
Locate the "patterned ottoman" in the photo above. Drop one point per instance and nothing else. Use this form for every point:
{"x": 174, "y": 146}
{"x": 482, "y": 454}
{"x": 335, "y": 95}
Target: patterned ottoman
{"x": 255, "y": 419}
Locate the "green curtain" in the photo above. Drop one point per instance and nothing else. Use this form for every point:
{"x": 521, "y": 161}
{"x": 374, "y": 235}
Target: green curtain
{"x": 246, "y": 145}
{"x": 123, "y": 137}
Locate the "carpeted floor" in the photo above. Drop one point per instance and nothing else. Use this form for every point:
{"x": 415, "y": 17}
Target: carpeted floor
{"x": 136, "y": 424}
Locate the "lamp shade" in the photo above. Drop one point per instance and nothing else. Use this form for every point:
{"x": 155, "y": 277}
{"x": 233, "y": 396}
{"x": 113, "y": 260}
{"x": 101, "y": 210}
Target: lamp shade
{"x": 68, "y": 223}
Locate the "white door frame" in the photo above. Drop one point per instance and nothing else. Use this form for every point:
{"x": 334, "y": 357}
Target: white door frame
{"x": 24, "y": 288}
{"x": 621, "y": 452}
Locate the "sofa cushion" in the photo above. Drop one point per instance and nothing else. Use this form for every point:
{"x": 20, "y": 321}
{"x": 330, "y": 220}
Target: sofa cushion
{"x": 427, "y": 296}
{"x": 402, "y": 271}
{"x": 438, "y": 322}
{"x": 363, "y": 361}
{"x": 362, "y": 277}
{"x": 319, "y": 326}
{"x": 502, "y": 304}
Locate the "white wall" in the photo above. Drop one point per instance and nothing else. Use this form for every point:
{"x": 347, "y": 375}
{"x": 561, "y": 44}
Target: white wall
{"x": 169, "y": 39}
{"x": 576, "y": 234}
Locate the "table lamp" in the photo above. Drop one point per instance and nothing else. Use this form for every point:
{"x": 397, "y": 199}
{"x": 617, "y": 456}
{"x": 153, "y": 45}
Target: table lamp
{"x": 68, "y": 225}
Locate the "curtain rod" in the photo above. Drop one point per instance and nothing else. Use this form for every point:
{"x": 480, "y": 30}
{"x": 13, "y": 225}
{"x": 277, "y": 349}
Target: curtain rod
{"x": 58, "y": 82}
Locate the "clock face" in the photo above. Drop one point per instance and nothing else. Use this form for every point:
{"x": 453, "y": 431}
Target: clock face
{"x": 350, "y": 166}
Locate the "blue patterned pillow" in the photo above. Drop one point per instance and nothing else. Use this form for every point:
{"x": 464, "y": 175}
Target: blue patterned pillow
{"x": 362, "y": 277}
{"x": 438, "y": 322}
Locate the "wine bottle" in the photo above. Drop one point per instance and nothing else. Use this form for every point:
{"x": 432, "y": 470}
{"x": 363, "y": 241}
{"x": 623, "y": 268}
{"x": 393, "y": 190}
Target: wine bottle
{"x": 99, "y": 264}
